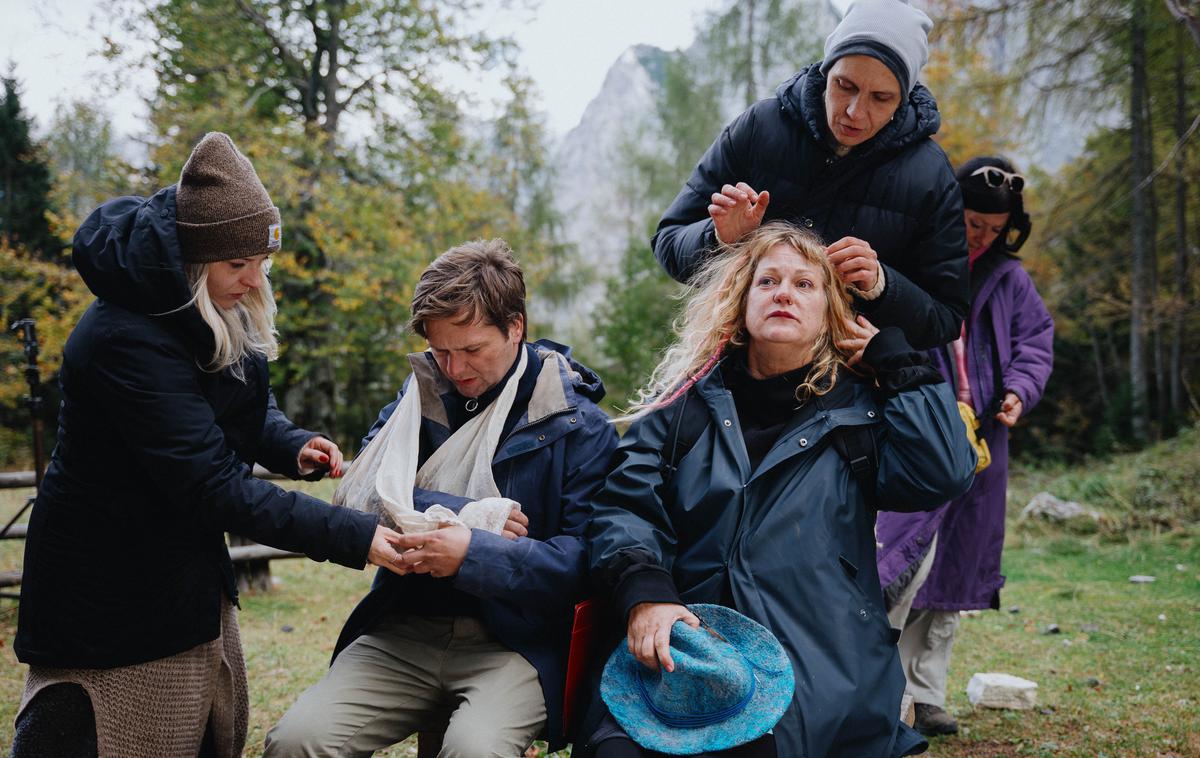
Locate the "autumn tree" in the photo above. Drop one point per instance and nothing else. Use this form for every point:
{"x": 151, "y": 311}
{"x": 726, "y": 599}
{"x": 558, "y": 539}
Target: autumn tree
{"x": 370, "y": 157}
{"x": 1126, "y": 71}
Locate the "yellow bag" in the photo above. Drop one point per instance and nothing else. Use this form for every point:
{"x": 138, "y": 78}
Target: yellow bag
{"x": 977, "y": 442}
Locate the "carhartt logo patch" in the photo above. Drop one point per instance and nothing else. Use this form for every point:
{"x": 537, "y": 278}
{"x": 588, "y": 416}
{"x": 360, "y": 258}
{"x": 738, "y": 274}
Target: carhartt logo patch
{"x": 274, "y": 236}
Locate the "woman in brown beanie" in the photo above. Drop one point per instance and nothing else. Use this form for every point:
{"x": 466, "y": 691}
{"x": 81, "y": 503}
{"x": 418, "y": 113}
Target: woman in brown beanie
{"x": 127, "y": 614}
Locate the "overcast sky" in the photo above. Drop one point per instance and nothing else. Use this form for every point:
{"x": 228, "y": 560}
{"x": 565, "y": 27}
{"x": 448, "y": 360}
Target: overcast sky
{"x": 566, "y": 46}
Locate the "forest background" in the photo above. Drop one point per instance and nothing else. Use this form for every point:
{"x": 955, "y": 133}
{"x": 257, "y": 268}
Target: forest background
{"x": 377, "y": 167}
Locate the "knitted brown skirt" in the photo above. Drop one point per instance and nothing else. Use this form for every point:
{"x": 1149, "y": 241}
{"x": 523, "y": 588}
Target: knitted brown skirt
{"x": 161, "y": 708}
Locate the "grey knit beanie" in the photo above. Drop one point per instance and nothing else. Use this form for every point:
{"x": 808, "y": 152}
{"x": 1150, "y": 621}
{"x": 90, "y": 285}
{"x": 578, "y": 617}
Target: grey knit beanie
{"x": 891, "y": 31}
{"x": 222, "y": 209}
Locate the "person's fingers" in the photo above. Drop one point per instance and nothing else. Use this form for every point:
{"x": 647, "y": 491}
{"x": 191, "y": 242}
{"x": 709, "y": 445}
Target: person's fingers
{"x": 854, "y": 268}
{"x": 736, "y": 194}
{"x": 413, "y": 539}
{"x": 722, "y": 200}
{"x": 848, "y": 245}
{"x": 751, "y": 195}
{"x": 836, "y": 254}
{"x": 515, "y": 529}
{"x": 865, "y": 323}
{"x": 856, "y": 330}
{"x": 392, "y": 538}
{"x": 310, "y": 456}
{"x": 851, "y": 258}
{"x": 835, "y": 247}
{"x": 662, "y": 647}
{"x": 398, "y": 570}
{"x": 764, "y": 199}
{"x": 516, "y": 514}
{"x": 851, "y": 252}
{"x": 715, "y": 210}
{"x": 411, "y": 557}
{"x": 690, "y": 619}
{"x": 424, "y": 567}
{"x": 646, "y": 652}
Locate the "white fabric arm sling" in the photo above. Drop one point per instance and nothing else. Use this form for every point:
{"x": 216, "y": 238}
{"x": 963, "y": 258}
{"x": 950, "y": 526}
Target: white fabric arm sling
{"x": 384, "y": 474}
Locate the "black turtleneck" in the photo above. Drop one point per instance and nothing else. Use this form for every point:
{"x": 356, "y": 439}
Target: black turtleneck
{"x": 765, "y": 407}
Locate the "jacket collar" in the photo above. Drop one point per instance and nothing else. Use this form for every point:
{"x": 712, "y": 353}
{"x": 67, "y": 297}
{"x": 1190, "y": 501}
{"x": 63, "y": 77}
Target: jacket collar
{"x": 848, "y": 404}
{"x": 989, "y": 270}
{"x": 553, "y": 391}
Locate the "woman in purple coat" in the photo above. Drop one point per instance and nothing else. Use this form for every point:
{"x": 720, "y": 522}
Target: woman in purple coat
{"x": 934, "y": 564}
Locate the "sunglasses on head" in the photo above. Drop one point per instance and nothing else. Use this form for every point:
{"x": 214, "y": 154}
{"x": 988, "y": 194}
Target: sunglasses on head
{"x": 998, "y": 177}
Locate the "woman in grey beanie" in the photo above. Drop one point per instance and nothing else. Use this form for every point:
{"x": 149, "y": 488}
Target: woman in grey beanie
{"x": 127, "y": 616}
{"x": 844, "y": 148}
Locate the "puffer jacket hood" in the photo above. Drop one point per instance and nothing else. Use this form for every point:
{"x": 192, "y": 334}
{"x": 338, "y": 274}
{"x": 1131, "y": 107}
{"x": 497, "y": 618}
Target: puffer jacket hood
{"x": 803, "y": 98}
{"x": 128, "y": 254}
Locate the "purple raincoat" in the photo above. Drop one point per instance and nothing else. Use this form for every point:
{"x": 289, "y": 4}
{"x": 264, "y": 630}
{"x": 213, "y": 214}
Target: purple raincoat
{"x": 1010, "y": 332}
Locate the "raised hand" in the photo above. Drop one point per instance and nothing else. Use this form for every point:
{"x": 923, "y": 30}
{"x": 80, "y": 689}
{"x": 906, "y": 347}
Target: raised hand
{"x": 736, "y": 210}
{"x": 855, "y": 262}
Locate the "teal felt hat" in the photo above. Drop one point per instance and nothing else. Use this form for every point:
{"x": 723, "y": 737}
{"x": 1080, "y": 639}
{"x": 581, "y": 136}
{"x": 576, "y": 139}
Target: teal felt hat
{"x": 731, "y": 684}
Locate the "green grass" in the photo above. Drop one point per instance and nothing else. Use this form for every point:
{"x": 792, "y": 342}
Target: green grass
{"x": 1147, "y": 700}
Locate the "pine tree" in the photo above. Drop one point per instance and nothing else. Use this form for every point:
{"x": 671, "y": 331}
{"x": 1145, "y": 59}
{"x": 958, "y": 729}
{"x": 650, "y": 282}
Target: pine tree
{"x": 24, "y": 182}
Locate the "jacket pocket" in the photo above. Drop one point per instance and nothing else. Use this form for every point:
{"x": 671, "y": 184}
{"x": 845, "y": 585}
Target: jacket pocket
{"x": 861, "y": 606}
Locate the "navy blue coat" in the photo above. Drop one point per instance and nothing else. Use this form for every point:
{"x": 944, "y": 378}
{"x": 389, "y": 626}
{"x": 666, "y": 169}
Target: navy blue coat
{"x": 125, "y": 559}
{"x": 792, "y": 542}
{"x": 552, "y": 463}
{"x": 896, "y": 191}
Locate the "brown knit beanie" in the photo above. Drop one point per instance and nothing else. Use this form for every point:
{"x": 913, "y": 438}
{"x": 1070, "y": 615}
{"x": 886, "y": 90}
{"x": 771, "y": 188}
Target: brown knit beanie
{"x": 222, "y": 209}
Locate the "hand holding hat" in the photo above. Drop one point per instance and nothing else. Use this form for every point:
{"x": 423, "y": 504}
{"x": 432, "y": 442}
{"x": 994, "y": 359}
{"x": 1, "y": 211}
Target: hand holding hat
{"x": 732, "y": 682}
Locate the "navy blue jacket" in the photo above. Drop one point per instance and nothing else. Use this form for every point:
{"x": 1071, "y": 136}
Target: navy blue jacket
{"x": 552, "y": 462}
{"x": 125, "y": 559}
{"x": 790, "y": 542}
{"x": 896, "y": 191}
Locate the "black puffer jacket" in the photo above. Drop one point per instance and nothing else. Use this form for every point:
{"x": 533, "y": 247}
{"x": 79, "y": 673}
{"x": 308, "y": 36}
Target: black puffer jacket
{"x": 896, "y": 191}
{"x": 125, "y": 559}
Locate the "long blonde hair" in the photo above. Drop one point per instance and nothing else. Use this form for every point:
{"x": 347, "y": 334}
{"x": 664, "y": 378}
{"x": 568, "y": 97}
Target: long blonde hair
{"x": 714, "y": 318}
{"x": 245, "y": 329}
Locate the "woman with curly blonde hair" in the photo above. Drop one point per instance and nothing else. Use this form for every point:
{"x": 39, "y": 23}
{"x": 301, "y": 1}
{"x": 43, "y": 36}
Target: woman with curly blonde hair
{"x": 767, "y": 504}
{"x": 714, "y": 319}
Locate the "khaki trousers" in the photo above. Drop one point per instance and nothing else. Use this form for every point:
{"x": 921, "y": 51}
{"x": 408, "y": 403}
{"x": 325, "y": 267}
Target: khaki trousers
{"x": 926, "y": 639}
{"x": 413, "y": 673}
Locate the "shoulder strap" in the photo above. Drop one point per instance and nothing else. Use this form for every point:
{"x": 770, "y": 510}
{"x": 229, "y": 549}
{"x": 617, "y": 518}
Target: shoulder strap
{"x": 688, "y": 422}
{"x": 857, "y": 445}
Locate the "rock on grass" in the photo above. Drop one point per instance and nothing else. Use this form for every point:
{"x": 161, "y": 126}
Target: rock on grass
{"x": 995, "y": 690}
